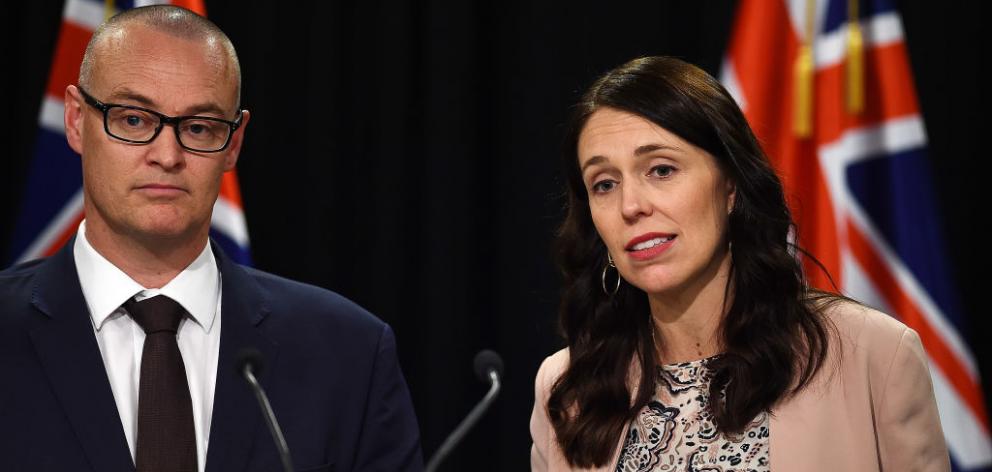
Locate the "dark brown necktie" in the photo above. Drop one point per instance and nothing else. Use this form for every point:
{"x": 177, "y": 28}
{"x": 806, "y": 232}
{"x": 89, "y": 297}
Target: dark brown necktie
{"x": 166, "y": 439}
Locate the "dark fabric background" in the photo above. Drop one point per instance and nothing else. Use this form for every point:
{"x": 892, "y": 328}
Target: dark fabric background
{"x": 404, "y": 154}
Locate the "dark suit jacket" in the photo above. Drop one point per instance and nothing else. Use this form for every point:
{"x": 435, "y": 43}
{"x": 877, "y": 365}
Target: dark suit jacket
{"x": 332, "y": 376}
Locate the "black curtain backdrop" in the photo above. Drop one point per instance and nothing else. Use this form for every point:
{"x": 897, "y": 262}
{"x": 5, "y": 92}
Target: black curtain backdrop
{"x": 404, "y": 154}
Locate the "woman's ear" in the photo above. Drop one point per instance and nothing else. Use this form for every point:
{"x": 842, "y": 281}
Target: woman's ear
{"x": 731, "y": 196}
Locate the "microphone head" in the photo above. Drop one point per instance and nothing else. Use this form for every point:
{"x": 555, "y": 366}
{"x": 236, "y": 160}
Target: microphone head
{"x": 488, "y": 361}
{"x": 250, "y": 357}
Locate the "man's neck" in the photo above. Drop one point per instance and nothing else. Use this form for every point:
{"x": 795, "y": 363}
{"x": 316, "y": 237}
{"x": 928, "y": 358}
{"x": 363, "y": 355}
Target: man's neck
{"x": 151, "y": 262}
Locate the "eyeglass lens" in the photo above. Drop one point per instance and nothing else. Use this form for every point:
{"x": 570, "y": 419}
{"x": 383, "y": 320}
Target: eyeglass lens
{"x": 194, "y": 133}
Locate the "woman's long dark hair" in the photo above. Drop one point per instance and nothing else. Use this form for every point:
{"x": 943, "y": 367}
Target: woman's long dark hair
{"x": 774, "y": 339}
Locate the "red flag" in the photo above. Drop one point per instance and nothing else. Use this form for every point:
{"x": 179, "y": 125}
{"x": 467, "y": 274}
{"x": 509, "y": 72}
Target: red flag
{"x": 827, "y": 87}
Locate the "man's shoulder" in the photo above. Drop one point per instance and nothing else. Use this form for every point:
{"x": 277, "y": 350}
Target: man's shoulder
{"x": 23, "y": 269}
{"x": 18, "y": 284}
{"x": 17, "y": 278}
{"x": 291, "y": 298}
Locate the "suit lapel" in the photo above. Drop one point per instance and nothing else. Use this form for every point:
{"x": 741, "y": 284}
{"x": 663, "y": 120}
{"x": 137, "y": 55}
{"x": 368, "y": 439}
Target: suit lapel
{"x": 236, "y": 415}
{"x": 68, "y": 351}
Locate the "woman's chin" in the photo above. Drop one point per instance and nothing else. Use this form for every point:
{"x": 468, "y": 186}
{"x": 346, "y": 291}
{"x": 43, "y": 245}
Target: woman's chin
{"x": 657, "y": 285}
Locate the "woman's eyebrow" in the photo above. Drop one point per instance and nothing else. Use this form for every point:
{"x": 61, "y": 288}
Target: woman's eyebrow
{"x": 593, "y": 161}
{"x": 649, "y": 148}
{"x": 640, "y": 151}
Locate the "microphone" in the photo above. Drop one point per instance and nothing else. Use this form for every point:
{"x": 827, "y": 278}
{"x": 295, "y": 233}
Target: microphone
{"x": 250, "y": 361}
{"x": 489, "y": 368}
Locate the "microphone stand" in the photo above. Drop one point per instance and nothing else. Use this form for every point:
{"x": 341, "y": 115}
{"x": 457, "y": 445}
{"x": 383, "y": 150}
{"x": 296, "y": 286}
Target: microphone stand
{"x": 463, "y": 428}
{"x": 270, "y": 417}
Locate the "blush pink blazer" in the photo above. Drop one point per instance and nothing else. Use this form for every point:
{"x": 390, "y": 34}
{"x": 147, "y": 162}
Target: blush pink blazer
{"x": 871, "y": 408}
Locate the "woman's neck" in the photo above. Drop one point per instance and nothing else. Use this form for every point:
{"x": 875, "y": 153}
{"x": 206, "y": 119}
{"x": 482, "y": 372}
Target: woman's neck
{"x": 687, "y": 320}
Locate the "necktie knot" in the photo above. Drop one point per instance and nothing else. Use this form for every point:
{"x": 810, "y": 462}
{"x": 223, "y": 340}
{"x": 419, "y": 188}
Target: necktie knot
{"x": 156, "y": 314}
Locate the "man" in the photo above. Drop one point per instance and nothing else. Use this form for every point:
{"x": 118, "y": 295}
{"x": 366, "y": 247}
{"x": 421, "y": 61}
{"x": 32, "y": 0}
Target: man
{"x": 120, "y": 352}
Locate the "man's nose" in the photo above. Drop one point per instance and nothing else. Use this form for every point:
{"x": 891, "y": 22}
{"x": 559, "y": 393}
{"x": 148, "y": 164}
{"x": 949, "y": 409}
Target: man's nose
{"x": 165, "y": 149}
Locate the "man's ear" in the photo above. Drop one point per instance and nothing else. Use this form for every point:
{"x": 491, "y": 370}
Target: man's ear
{"x": 234, "y": 148}
{"x": 73, "y": 117}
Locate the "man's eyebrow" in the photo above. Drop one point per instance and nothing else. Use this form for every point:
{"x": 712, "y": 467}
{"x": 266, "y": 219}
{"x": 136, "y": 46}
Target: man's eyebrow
{"x": 649, "y": 148}
{"x": 128, "y": 94}
{"x": 211, "y": 108}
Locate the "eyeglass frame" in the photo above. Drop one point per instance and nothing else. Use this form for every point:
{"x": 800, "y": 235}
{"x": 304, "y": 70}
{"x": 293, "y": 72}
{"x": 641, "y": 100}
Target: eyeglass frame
{"x": 163, "y": 120}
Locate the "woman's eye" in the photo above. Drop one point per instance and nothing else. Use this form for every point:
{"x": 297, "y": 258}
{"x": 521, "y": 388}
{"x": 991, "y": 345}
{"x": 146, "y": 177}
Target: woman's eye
{"x": 661, "y": 171}
{"x": 603, "y": 186}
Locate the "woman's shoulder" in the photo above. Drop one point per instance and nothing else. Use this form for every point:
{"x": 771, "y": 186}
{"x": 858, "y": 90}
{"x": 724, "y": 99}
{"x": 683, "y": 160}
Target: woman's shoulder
{"x": 551, "y": 368}
{"x": 877, "y": 376}
{"x": 862, "y": 331}
{"x": 856, "y": 320}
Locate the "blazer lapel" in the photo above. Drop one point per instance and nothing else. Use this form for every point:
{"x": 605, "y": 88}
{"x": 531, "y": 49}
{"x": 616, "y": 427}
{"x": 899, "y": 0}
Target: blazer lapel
{"x": 68, "y": 351}
{"x": 236, "y": 415}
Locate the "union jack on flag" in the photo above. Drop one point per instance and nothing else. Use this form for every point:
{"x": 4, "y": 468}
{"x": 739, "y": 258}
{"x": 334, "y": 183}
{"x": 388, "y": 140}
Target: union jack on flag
{"x": 827, "y": 87}
{"x": 52, "y": 207}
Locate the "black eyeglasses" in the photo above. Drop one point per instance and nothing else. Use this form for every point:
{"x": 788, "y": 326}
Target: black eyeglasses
{"x": 141, "y": 126}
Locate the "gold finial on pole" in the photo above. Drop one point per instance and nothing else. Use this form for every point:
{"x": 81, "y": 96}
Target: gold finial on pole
{"x": 855, "y": 61}
{"x": 108, "y": 9}
{"x": 803, "y": 75}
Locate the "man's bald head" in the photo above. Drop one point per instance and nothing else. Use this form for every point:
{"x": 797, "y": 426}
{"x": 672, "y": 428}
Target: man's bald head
{"x": 171, "y": 20}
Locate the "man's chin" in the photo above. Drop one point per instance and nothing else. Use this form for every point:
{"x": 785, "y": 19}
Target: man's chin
{"x": 167, "y": 232}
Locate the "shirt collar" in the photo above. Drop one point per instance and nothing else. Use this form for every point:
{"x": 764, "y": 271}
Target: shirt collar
{"x": 106, "y": 287}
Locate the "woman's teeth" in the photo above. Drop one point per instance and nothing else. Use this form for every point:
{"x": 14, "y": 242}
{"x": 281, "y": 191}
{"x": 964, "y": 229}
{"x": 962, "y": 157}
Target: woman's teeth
{"x": 651, "y": 243}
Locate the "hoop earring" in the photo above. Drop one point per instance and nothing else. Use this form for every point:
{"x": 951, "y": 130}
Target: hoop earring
{"x": 606, "y": 268}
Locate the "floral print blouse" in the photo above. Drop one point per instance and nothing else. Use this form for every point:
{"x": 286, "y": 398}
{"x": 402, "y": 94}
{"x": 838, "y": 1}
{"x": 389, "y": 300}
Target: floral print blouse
{"x": 674, "y": 432}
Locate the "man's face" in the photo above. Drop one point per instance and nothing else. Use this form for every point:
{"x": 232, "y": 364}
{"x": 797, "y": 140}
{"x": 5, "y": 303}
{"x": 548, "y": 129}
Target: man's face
{"x": 157, "y": 191}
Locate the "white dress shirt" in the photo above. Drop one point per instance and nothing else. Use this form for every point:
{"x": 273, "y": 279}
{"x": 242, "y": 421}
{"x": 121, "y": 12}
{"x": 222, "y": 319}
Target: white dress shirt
{"x": 197, "y": 288}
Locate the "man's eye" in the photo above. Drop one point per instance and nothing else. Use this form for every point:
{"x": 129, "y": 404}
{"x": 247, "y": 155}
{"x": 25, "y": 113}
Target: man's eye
{"x": 202, "y": 129}
{"x": 133, "y": 120}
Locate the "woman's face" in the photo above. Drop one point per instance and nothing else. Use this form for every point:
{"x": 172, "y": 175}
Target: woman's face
{"x": 659, "y": 203}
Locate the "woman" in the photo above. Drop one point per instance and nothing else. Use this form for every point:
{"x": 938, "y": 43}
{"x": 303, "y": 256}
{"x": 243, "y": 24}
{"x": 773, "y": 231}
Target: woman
{"x": 675, "y": 254}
